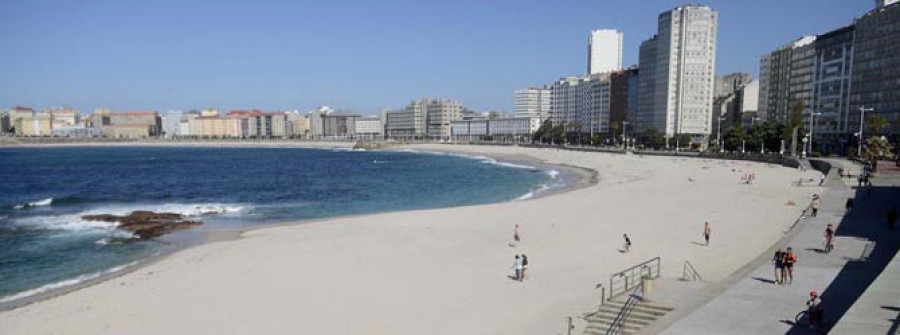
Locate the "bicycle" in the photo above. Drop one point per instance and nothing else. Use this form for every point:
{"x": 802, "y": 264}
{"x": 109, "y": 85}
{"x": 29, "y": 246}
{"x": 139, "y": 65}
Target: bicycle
{"x": 821, "y": 325}
{"x": 829, "y": 245}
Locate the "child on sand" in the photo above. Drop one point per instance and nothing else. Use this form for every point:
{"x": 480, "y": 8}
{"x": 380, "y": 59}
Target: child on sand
{"x": 516, "y": 237}
{"x": 627, "y": 243}
{"x": 706, "y": 232}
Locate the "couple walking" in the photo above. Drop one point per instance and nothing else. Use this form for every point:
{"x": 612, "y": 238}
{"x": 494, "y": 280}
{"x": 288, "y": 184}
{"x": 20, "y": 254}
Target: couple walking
{"x": 521, "y": 266}
{"x": 784, "y": 266}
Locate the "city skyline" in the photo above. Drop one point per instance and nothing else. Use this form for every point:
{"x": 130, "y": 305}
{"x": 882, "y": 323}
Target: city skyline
{"x": 88, "y": 57}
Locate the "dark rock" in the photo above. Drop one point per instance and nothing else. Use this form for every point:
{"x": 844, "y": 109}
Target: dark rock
{"x": 146, "y": 224}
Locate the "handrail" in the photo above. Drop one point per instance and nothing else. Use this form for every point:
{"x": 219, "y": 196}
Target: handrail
{"x": 621, "y": 282}
{"x": 690, "y": 273}
{"x": 801, "y": 217}
{"x": 618, "y": 324}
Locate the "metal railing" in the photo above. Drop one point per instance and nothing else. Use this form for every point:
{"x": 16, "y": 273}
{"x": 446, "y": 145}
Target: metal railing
{"x": 617, "y": 326}
{"x": 800, "y": 218}
{"x": 623, "y": 281}
{"x": 690, "y": 273}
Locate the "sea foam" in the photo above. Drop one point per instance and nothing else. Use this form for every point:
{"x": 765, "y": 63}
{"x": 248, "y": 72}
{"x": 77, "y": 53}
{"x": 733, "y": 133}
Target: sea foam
{"x": 64, "y": 283}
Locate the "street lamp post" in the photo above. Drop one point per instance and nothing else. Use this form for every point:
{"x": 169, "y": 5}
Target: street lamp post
{"x": 719, "y": 135}
{"x": 809, "y": 144}
{"x": 624, "y": 139}
{"x": 862, "y": 113}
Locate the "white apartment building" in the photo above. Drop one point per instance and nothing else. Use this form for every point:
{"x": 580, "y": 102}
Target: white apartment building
{"x": 369, "y": 127}
{"x": 582, "y": 103}
{"x": 512, "y": 126}
{"x": 424, "y": 118}
{"x": 316, "y": 127}
{"x": 604, "y": 51}
{"x": 298, "y": 124}
{"x": 682, "y": 72}
{"x": 533, "y": 102}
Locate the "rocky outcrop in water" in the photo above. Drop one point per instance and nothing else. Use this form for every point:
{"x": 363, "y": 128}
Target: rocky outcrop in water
{"x": 146, "y": 224}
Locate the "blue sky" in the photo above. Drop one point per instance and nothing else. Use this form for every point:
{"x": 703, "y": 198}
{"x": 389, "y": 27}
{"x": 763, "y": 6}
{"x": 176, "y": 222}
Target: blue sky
{"x": 360, "y": 55}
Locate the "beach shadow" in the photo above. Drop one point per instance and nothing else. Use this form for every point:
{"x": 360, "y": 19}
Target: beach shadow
{"x": 513, "y": 278}
{"x": 698, "y": 243}
{"x": 512, "y": 245}
{"x": 788, "y": 322}
{"x": 764, "y": 280}
{"x": 622, "y": 251}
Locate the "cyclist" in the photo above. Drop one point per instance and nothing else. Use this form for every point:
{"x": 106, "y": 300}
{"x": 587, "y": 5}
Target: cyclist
{"x": 815, "y": 309}
{"x": 829, "y": 238}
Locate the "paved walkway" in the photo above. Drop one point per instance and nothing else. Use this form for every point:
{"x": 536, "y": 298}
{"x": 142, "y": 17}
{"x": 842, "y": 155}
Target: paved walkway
{"x": 755, "y": 305}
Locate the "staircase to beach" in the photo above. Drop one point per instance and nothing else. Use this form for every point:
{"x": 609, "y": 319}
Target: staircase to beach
{"x": 642, "y": 314}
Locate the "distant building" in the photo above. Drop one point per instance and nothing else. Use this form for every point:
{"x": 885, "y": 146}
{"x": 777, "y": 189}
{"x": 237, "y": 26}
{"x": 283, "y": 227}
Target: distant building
{"x": 255, "y": 123}
{"x": 34, "y": 125}
{"x": 171, "y": 123}
{"x": 339, "y": 125}
{"x": 513, "y": 128}
{"x": 128, "y": 122}
{"x": 369, "y": 127}
{"x": 876, "y": 67}
{"x": 76, "y": 131}
{"x": 184, "y": 123}
{"x": 316, "y": 128}
{"x": 582, "y": 104}
{"x": 533, "y": 102}
{"x": 16, "y": 113}
{"x": 130, "y": 131}
{"x": 209, "y": 112}
{"x": 623, "y": 99}
{"x": 298, "y": 124}
{"x": 731, "y": 83}
{"x": 215, "y": 127}
{"x": 884, "y": 3}
{"x": 775, "y": 79}
{"x": 679, "y": 63}
{"x": 63, "y": 117}
{"x": 604, "y": 51}
{"x": 424, "y": 118}
{"x": 5, "y": 124}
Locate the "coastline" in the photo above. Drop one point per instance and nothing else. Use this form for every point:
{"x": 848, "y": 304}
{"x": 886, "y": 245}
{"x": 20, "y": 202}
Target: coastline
{"x": 558, "y": 237}
{"x": 574, "y": 178}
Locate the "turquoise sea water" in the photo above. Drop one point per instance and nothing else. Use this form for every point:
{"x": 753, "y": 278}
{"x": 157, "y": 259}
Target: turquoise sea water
{"x": 45, "y": 245}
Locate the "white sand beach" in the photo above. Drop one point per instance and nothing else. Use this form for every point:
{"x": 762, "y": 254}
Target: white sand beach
{"x": 445, "y": 271}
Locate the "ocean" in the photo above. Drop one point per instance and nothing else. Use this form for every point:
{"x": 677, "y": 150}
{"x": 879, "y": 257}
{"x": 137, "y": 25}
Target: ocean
{"x": 45, "y": 245}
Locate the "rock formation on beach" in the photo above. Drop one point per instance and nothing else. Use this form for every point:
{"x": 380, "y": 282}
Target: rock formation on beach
{"x": 146, "y": 224}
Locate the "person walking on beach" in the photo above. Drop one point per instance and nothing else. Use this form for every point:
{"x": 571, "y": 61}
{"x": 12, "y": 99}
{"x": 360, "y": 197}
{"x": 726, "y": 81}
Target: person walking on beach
{"x": 821, "y": 179}
{"x": 518, "y": 266}
{"x": 815, "y": 205}
{"x": 829, "y": 238}
{"x": 778, "y": 260}
{"x": 627, "y": 242}
{"x": 706, "y": 232}
{"x": 789, "y": 259}
{"x": 517, "y": 237}
{"x": 524, "y": 267}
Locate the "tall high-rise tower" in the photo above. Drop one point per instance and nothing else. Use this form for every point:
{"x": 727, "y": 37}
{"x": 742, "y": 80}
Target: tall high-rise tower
{"x": 684, "y": 71}
{"x": 604, "y": 51}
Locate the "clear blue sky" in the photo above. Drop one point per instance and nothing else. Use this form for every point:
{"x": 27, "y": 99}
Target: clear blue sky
{"x": 360, "y": 55}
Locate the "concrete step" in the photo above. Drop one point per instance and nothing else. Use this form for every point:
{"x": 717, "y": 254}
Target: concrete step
{"x": 602, "y": 328}
{"x": 643, "y": 308}
{"x": 641, "y": 315}
{"x": 609, "y": 318}
{"x": 633, "y": 315}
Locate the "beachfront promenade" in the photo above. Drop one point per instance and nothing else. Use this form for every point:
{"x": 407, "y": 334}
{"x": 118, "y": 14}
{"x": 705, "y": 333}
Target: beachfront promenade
{"x": 863, "y": 249}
